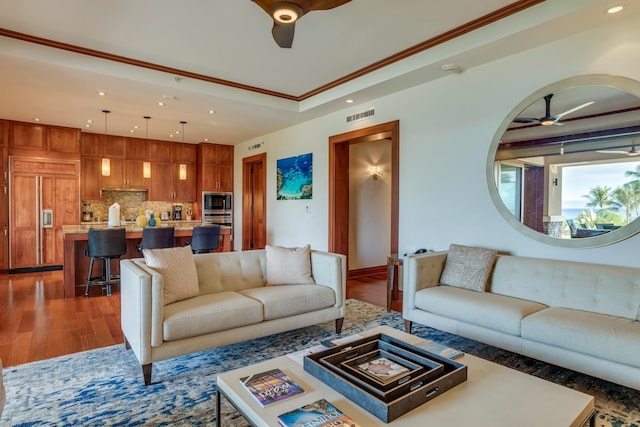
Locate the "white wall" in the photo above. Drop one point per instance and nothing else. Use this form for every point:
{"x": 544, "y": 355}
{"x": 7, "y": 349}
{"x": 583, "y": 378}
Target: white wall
{"x": 369, "y": 204}
{"x": 446, "y": 127}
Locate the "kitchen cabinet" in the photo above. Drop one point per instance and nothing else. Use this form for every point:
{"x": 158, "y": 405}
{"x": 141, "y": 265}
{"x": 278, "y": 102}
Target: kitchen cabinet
{"x": 4, "y": 201}
{"x": 165, "y": 184}
{"x": 215, "y": 167}
{"x": 44, "y": 195}
{"x": 91, "y": 178}
{"x": 160, "y": 151}
{"x": 136, "y": 148}
{"x": 50, "y": 139}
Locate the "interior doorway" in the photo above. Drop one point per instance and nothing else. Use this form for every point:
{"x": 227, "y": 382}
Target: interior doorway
{"x": 339, "y": 183}
{"x": 254, "y": 233}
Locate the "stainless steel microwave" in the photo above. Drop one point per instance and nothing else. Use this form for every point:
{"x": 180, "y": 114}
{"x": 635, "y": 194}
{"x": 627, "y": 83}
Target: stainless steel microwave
{"x": 216, "y": 203}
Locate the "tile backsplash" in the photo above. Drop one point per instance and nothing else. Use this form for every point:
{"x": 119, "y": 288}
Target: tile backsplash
{"x": 130, "y": 204}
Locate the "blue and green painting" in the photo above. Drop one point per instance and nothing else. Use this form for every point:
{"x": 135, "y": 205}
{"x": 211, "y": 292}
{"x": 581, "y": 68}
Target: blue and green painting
{"x": 295, "y": 177}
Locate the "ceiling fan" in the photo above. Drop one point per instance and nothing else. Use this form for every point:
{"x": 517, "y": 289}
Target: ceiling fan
{"x": 286, "y": 13}
{"x": 548, "y": 119}
{"x": 631, "y": 152}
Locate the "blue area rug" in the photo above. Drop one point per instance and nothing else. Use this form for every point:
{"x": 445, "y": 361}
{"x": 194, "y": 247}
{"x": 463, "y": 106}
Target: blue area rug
{"x": 105, "y": 386}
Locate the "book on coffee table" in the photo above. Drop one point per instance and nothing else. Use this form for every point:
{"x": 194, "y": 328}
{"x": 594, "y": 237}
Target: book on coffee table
{"x": 320, "y": 413}
{"x": 441, "y": 349}
{"x": 271, "y": 386}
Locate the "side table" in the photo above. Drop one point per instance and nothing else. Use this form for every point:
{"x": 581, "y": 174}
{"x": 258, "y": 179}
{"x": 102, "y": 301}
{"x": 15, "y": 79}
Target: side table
{"x": 393, "y": 260}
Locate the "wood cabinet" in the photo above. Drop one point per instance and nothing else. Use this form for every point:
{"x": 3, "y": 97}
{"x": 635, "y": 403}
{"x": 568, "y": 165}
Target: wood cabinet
{"x": 44, "y": 196}
{"x": 4, "y": 200}
{"x": 28, "y": 137}
{"x": 215, "y": 167}
{"x": 166, "y": 183}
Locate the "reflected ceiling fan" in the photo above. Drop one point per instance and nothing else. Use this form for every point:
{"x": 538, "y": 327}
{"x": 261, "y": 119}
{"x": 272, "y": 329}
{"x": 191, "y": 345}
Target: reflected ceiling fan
{"x": 631, "y": 152}
{"x": 548, "y": 119}
{"x": 286, "y": 13}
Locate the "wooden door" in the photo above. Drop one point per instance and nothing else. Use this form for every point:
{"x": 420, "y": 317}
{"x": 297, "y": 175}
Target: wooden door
{"x": 24, "y": 220}
{"x": 533, "y": 198}
{"x": 254, "y": 235}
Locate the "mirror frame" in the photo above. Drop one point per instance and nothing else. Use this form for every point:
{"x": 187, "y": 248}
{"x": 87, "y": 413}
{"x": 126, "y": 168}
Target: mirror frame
{"x": 624, "y": 83}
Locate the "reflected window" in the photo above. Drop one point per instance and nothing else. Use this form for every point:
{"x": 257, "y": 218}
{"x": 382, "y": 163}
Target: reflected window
{"x": 510, "y": 188}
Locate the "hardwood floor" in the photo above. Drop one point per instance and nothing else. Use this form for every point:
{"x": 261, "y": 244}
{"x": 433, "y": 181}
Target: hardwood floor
{"x": 36, "y": 322}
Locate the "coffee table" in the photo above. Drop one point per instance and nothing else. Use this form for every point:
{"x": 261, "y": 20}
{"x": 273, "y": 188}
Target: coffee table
{"x": 493, "y": 395}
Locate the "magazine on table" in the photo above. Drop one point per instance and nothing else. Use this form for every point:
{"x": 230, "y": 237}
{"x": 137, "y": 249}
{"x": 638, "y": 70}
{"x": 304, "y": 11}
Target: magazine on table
{"x": 441, "y": 349}
{"x": 271, "y": 386}
{"x": 320, "y": 413}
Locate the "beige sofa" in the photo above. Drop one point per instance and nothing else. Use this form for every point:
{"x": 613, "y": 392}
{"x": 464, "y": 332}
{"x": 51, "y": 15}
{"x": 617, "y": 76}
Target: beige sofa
{"x": 580, "y": 316}
{"x": 233, "y": 304}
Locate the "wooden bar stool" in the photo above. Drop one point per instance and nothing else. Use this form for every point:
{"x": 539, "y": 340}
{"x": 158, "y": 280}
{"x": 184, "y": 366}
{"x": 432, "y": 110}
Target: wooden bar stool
{"x": 105, "y": 244}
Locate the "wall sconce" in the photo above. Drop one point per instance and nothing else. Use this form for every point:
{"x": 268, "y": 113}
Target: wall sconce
{"x": 182, "y": 173}
{"x": 106, "y": 167}
{"x": 146, "y": 169}
{"x": 375, "y": 172}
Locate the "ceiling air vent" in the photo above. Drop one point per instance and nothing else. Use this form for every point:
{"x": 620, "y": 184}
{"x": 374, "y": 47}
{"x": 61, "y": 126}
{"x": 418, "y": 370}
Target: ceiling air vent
{"x": 255, "y": 146}
{"x": 359, "y": 116}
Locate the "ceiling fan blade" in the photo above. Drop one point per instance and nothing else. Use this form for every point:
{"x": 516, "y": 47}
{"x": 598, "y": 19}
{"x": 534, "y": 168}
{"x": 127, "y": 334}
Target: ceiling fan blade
{"x": 631, "y": 152}
{"x": 310, "y": 5}
{"x": 283, "y": 33}
{"x": 574, "y": 109}
{"x": 526, "y": 120}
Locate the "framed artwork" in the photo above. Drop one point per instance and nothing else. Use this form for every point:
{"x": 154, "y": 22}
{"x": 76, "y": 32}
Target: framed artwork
{"x": 295, "y": 177}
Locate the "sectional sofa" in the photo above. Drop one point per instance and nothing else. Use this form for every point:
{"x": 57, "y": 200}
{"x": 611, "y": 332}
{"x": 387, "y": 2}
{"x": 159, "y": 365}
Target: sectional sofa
{"x": 235, "y": 298}
{"x": 579, "y": 316}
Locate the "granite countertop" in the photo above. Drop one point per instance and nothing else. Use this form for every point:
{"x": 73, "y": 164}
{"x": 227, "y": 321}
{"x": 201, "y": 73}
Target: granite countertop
{"x": 85, "y": 226}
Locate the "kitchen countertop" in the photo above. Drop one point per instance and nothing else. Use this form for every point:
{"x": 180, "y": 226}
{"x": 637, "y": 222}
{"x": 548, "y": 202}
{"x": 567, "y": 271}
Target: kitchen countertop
{"x": 179, "y": 225}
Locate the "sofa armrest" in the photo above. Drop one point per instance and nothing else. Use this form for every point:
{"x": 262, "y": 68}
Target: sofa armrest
{"x": 330, "y": 270}
{"x": 421, "y": 271}
{"x": 141, "y": 307}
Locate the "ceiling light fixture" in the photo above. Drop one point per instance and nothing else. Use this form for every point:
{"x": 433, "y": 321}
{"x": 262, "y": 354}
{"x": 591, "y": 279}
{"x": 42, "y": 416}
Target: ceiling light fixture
{"x": 349, "y": 101}
{"x": 286, "y": 13}
{"x": 106, "y": 162}
{"x": 101, "y": 93}
{"x": 146, "y": 166}
{"x": 182, "y": 173}
{"x": 615, "y": 9}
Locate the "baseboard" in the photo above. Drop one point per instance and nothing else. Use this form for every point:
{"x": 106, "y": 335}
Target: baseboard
{"x": 367, "y": 271}
{"x": 35, "y": 269}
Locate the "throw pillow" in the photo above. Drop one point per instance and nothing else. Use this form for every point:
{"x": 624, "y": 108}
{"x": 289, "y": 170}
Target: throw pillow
{"x": 178, "y": 269}
{"x": 468, "y": 267}
{"x": 288, "y": 266}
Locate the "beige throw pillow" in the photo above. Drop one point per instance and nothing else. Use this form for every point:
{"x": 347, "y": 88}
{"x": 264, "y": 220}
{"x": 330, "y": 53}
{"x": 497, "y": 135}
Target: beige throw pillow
{"x": 468, "y": 267}
{"x": 288, "y": 266}
{"x": 178, "y": 270}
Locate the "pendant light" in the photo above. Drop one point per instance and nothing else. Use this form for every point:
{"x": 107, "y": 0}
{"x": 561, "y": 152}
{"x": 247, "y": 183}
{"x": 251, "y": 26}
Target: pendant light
{"x": 182, "y": 172}
{"x": 106, "y": 163}
{"x": 146, "y": 166}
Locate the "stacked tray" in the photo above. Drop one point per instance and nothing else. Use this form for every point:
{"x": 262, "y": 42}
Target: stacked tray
{"x": 384, "y": 375}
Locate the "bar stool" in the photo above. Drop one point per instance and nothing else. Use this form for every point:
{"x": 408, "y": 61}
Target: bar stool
{"x": 156, "y": 238}
{"x": 105, "y": 244}
{"x": 204, "y": 239}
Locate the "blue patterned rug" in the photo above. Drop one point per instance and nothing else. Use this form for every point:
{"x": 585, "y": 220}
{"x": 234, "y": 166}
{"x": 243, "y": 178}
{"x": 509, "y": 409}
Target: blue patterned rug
{"x": 105, "y": 387}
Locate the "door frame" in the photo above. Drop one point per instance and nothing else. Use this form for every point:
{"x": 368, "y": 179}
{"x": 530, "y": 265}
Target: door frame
{"x": 339, "y": 183}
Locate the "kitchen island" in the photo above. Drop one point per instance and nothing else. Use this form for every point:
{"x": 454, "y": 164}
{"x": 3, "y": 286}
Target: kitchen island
{"x": 76, "y": 264}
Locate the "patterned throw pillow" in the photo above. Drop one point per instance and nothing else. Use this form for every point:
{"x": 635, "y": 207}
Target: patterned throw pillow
{"x": 178, "y": 270}
{"x": 288, "y": 266}
{"x": 468, "y": 267}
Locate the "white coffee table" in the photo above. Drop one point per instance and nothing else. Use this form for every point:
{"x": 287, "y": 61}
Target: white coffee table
{"x": 493, "y": 395}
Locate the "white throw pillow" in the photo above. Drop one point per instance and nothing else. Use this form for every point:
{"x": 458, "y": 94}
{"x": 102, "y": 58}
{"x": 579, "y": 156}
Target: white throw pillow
{"x": 178, "y": 270}
{"x": 468, "y": 267}
{"x": 288, "y": 266}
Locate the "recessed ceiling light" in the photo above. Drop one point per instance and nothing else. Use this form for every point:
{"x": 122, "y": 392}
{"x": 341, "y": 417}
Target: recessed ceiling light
{"x": 211, "y": 112}
{"x": 89, "y": 121}
{"x": 87, "y": 125}
{"x": 206, "y": 140}
{"x": 349, "y": 101}
{"x": 101, "y": 93}
{"x": 615, "y": 9}
{"x": 171, "y": 136}
{"x": 36, "y": 119}
{"x": 135, "y": 127}
{"x": 161, "y": 104}
{"x": 132, "y": 131}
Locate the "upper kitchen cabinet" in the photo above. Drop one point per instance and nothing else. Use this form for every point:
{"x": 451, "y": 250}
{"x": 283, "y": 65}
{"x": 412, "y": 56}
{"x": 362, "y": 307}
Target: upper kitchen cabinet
{"x": 172, "y": 177}
{"x": 27, "y": 138}
{"x": 160, "y": 151}
{"x": 215, "y": 167}
{"x": 136, "y": 149}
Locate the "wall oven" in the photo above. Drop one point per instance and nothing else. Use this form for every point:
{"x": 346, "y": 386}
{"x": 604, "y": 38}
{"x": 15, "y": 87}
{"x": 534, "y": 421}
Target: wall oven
{"x": 217, "y": 208}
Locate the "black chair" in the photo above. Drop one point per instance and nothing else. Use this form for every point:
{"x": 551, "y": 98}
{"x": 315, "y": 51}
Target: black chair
{"x": 204, "y": 239}
{"x": 156, "y": 238}
{"x": 105, "y": 244}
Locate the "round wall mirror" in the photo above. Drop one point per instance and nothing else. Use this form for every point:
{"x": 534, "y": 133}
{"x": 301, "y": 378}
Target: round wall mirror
{"x": 564, "y": 165}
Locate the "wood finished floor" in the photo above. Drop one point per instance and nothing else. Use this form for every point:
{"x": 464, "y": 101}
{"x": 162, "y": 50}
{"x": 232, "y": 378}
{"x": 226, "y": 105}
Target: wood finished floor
{"x": 37, "y": 323}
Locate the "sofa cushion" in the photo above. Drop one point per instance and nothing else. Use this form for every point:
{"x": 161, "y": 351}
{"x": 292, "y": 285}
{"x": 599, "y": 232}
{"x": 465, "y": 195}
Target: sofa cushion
{"x": 599, "y": 335}
{"x": 209, "y": 313}
{"x": 497, "y": 312}
{"x": 288, "y": 266}
{"x": 180, "y": 278}
{"x": 467, "y": 267}
{"x": 289, "y": 300}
